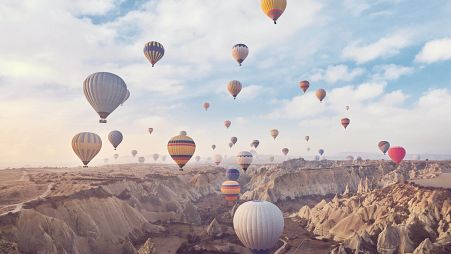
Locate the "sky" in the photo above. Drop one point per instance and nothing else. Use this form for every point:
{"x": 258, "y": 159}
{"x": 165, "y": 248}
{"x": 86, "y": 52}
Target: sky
{"x": 389, "y": 60}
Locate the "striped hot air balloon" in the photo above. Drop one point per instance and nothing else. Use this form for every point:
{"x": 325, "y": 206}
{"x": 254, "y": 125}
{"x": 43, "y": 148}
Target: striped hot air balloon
{"x": 273, "y": 8}
{"x": 320, "y": 94}
{"x": 105, "y": 92}
{"x": 285, "y": 151}
{"x": 274, "y": 133}
{"x": 383, "y": 146}
{"x": 127, "y": 95}
{"x": 232, "y": 174}
{"x": 231, "y": 190}
{"x": 86, "y": 146}
{"x": 227, "y": 123}
{"x": 244, "y": 159}
{"x": 240, "y": 52}
{"x": 181, "y": 148}
{"x": 234, "y": 88}
{"x": 134, "y": 153}
{"x": 304, "y": 85}
{"x": 345, "y": 122}
{"x": 153, "y": 51}
{"x": 115, "y": 138}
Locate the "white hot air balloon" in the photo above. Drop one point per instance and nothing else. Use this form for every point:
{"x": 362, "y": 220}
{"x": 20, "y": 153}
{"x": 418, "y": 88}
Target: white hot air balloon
{"x": 141, "y": 159}
{"x": 105, "y": 92}
{"x": 115, "y": 138}
{"x": 258, "y": 225}
{"x": 217, "y": 159}
{"x": 86, "y": 146}
{"x": 127, "y": 95}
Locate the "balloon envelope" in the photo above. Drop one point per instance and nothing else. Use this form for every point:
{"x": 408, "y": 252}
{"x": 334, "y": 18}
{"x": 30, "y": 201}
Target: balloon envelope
{"x": 244, "y": 159}
{"x": 273, "y": 8}
{"x": 206, "y": 105}
{"x": 397, "y": 154}
{"x": 258, "y": 224}
{"x": 127, "y": 95}
{"x": 227, "y": 123}
{"x": 285, "y": 151}
{"x": 240, "y": 52}
{"x": 233, "y": 140}
{"x": 134, "y": 153}
{"x": 217, "y": 159}
{"x": 153, "y": 51}
{"x": 231, "y": 190}
{"x": 383, "y": 146}
{"x": 197, "y": 158}
{"x": 115, "y": 138}
{"x": 307, "y": 138}
{"x": 150, "y": 130}
{"x": 234, "y": 88}
{"x": 345, "y": 122}
{"x": 86, "y": 146}
{"x": 213, "y": 147}
{"x": 141, "y": 159}
{"x": 274, "y": 133}
{"x": 320, "y": 94}
{"x": 232, "y": 174}
{"x": 321, "y": 151}
{"x": 155, "y": 156}
{"x": 181, "y": 148}
{"x": 304, "y": 85}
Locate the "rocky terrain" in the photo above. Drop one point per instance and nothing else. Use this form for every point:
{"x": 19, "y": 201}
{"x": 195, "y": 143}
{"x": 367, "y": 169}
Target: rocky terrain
{"x": 143, "y": 208}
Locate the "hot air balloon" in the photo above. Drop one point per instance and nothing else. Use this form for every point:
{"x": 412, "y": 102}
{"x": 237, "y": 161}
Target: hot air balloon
{"x": 217, "y": 159}
{"x": 150, "y": 130}
{"x": 240, "y": 52}
{"x": 320, "y": 94}
{"x": 321, "y": 152}
{"x": 307, "y": 138}
{"x": 244, "y": 159}
{"x": 127, "y": 95}
{"x": 396, "y": 154}
{"x": 258, "y": 225}
{"x": 233, "y": 174}
{"x": 304, "y": 85}
{"x": 115, "y": 156}
{"x": 105, "y": 92}
{"x": 383, "y": 146}
{"x": 134, "y": 153}
{"x": 213, "y": 147}
{"x": 273, "y": 8}
{"x": 153, "y": 51}
{"x": 271, "y": 158}
{"x": 349, "y": 158}
{"x": 197, "y": 158}
{"x": 141, "y": 159}
{"x": 231, "y": 190}
{"x": 206, "y": 105}
{"x": 345, "y": 122}
{"x": 227, "y": 123}
{"x": 230, "y": 144}
{"x": 285, "y": 151}
{"x": 274, "y": 133}
{"x": 163, "y": 158}
{"x": 115, "y": 138}
{"x": 255, "y": 144}
{"x": 347, "y": 107}
{"x": 86, "y": 146}
{"x": 359, "y": 159}
{"x": 181, "y": 148}
{"x": 155, "y": 156}
{"x": 233, "y": 140}
{"x": 234, "y": 88}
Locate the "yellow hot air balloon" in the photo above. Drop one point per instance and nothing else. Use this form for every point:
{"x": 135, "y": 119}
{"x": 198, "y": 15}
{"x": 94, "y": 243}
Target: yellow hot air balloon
{"x": 320, "y": 94}
{"x": 181, "y": 148}
{"x": 234, "y": 88}
{"x": 273, "y": 8}
{"x": 86, "y": 146}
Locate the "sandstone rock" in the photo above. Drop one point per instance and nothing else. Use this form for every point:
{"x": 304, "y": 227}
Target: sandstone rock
{"x": 425, "y": 247}
{"x": 214, "y": 229}
{"x": 147, "y": 248}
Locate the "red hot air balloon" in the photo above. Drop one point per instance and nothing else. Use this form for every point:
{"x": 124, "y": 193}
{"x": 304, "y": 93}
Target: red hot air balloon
{"x": 397, "y": 154}
{"x": 345, "y": 122}
{"x": 304, "y": 85}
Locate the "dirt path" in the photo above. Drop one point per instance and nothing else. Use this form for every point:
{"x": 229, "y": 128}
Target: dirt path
{"x": 19, "y": 206}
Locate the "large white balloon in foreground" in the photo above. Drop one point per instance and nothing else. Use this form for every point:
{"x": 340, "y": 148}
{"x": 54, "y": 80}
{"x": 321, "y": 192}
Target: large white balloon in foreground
{"x": 258, "y": 225}
{"x": 105, "y": 92}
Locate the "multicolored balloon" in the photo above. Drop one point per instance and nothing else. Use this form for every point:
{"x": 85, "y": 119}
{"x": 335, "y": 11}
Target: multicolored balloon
{"x": 105, "y": 92}
{"x": 240, "y": 52}
{"x": 274, "y": 133}
{"x": 86, "y": 146}
{"x": 304, "y": 85}
{"x": 345, "y": 122}
{"x": 244, "y": 159}
{"x": 181, "y": 148}
{"x": 115, "y": 138}
{"x": 258, "y": 225}
{"x": 397, "y": 154}
{"x": 321, "y": 152}
{"x": 383, "y": 146}
{"x": 227, "y": 123}
{"x": 134, "y": 153}
{"x": 231, "y": 190}
{"x": 232, "y": 174}
{"x": 285, "y": 151}
{"x": 206, "y": 105}
{"x": 217, "y": 159}
{"x": 273, "y": 8}
{"x": 234, "y": 88}
{"x": 320, "y": 94}
{"x": 233, "y": 140}
{"x": 153, "y": 51}
{"x": 255, "y": 144}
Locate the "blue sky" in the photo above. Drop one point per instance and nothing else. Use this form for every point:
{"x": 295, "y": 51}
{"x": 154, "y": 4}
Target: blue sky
{"x": 389, "y": 61}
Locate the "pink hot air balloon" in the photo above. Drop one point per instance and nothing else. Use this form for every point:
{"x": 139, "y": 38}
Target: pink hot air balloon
{"x": 227, "y": 123}
{"x": 397, "y": 154}
{"x": 206, "y": 106}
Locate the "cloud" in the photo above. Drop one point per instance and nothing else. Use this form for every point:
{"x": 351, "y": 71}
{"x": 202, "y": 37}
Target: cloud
{"x": 435, "y": 51}
{"x": 335, "y": 73}
{"x": 391, "y": 71}
{"x": 384, "y": 47}
{"x": 356, "y": 6}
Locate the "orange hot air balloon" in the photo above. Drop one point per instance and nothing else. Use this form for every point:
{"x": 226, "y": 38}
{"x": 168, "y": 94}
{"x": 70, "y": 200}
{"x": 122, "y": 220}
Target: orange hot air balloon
{"x": 206, "y": 105}
{"x": 304, "y": 85}
{"x": 320, "y": 94}
{"x": 181, "y": 148}
{"x": 397, "y": 154}
{"x": 234, "y": 88}
{"x": 345, "y": 122}
{"x": 231, "y": 190}
{"x": 227, "y": 123}
{"x": 273, "y": 8}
